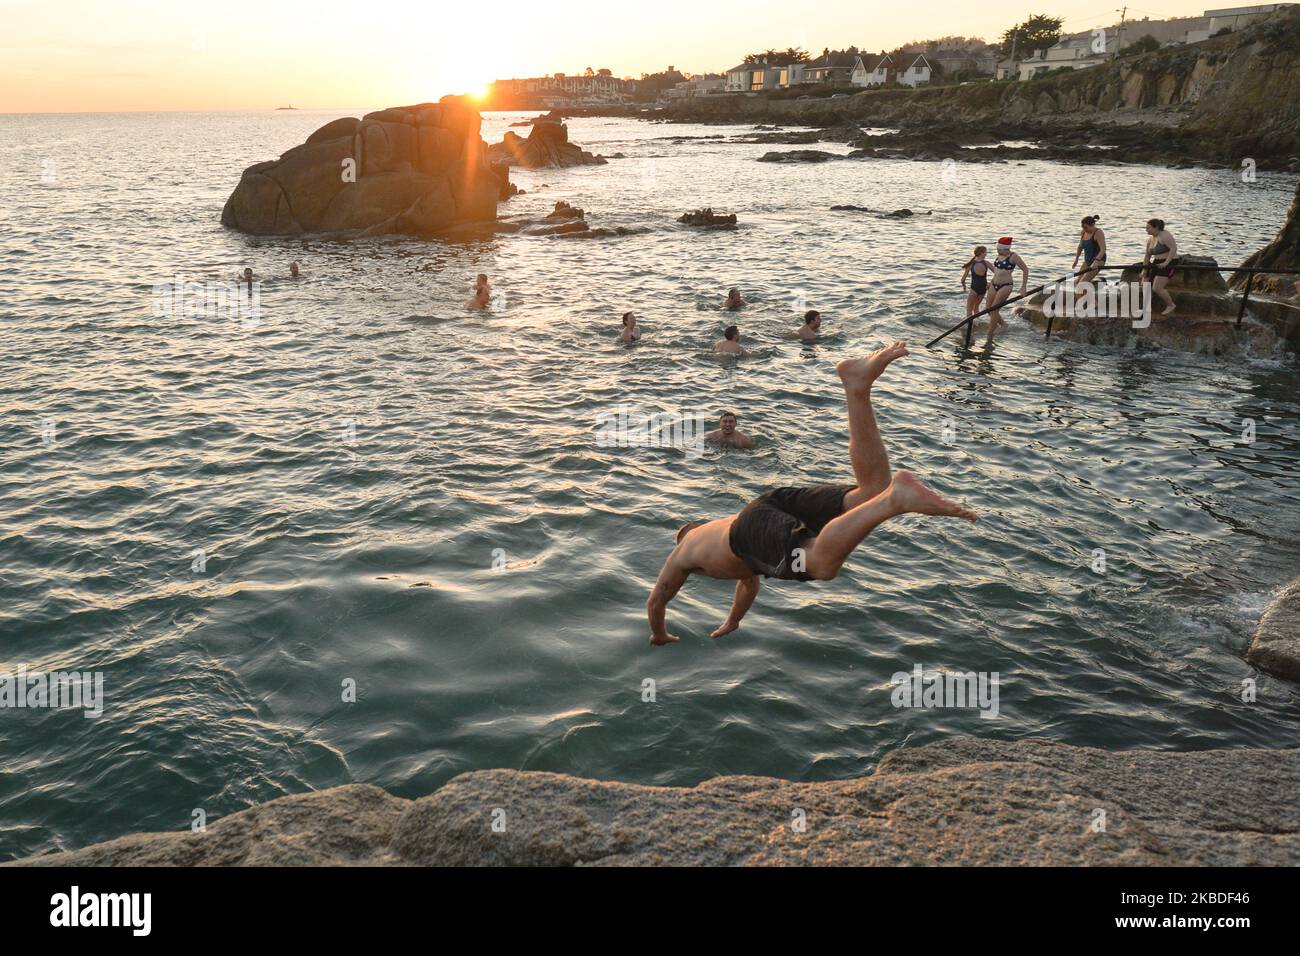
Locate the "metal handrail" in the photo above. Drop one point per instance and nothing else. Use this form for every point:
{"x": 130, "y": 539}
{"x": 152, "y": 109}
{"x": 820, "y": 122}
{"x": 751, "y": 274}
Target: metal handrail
{"x": 1250, "y": 273}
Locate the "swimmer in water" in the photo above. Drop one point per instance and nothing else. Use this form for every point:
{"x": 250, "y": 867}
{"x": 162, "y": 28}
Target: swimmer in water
{"x": 248, "y": 279}
{"x": 734, "y": 301}
{"x": 802, "y": 533}
{"x": 728, "y": 435}
{"x": 1158, "y": 261}
{"x": 730, "y": 342}
{"x": 1092, "y": 246}
{"x": 482, "y": 294}
{"x": 977, "y": 268}
{"x": 631, "y": 333}
{"x": 812, "y": 323}
{"x": 1004, "y": 267}
{"x": 294, "y": 273}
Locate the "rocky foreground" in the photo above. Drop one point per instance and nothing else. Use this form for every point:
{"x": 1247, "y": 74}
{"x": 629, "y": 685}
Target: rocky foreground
{"x": 958, "y": 802}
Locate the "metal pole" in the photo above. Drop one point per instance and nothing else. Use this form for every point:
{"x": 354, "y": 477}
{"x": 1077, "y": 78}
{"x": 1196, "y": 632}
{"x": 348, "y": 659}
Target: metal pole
{"x": 1250, "y": 281}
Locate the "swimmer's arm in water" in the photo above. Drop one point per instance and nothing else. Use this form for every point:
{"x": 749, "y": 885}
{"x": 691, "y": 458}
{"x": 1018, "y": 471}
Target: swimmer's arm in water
{"x": 746, "y": 591}
{"x": 671, "y": 578}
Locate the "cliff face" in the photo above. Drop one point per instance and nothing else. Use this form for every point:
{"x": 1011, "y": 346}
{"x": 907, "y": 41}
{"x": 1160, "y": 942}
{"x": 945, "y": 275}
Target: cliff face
{"x": 415, "y": 169}
{"x": 1282, "y": 253}
{"x": 1228, "y": 98}
{"x": 958, "y": 802}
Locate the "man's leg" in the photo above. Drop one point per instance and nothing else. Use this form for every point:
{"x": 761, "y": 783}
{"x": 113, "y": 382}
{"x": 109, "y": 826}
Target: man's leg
{"x": 905, "y": 495}
{"x": 866, "y": 448}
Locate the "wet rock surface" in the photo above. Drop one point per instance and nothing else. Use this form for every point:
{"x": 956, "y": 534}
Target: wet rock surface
{"x": 963, "y": 801}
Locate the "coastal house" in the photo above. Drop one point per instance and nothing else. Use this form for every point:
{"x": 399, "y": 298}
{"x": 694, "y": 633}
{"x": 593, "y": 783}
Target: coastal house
{"x": 560, "y": 89}
{"x": 918, "y": 72}
{"x": 1007, "y": 70}
{"x": 1234, "y": 18}
{"x": 832, "y": 69}
{"x": 963, "y": 63}
{"x": 882, "y": 70}
{"x": 709, "y": 84}
{"x": 738, "y": 78}
{"x": 1078, "y": 51}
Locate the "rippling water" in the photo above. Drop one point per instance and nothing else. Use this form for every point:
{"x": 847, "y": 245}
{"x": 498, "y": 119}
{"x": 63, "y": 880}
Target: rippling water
{"x": 370, "y": 559}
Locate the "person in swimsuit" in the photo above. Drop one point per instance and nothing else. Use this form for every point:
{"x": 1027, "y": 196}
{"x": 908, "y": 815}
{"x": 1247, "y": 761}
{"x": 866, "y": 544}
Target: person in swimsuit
{"x": 977, "y": 268}
{"x": 801, "y": 533}
{"x": 733, "y": 301}
{"x": 1000, "y": 286}
{"x": 630, "y": 331}
{"x": 1092, "y": 246}
{"x": 730, "y": 342}
{"x": 812, "y": 323}
{"x": 1158, "y": 261}
{"x": 248, "y": 279}
{"x": 482, "y": 294}
{"x": 728, "y": 435}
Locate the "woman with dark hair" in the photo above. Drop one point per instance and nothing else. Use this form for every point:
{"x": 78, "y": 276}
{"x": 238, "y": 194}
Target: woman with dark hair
{"x": 1158, "y": 261}
{"x": 1092, "y": 246}
{"x": 630, "y": 331}
{"x": 977, "y": 268}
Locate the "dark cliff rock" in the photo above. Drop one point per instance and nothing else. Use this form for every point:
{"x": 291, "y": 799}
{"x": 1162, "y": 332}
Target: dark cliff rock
{"x": 414, "y": 169}
{"x": 547, "y": 145}
{"x": 1282, "y": 253}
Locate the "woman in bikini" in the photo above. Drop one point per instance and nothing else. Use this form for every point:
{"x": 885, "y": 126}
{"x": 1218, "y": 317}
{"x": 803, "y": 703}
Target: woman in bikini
{"x": 1004, "y": 267}
{"x": 977, "y": 268}
{"x": 1159, "y": 259}
{"x": 1092, "y": 246}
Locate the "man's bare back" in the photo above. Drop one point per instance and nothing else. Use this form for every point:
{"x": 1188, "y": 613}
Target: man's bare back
{"x": 805, "y": 552}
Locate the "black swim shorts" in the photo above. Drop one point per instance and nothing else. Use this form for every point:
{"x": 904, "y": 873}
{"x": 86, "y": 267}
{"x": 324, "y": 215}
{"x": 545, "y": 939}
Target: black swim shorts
{"x": 766, "y": 534}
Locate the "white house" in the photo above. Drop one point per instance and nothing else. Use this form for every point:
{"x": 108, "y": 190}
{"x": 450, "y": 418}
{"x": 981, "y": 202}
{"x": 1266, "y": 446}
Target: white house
{"x": 876, "y": 70}
{"x": 1077, "y": 52}
{"x": 918, "y": 72}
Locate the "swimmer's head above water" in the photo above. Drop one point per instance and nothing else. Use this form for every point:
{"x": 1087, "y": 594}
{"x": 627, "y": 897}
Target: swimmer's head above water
{"x": 727, "y": 423}
{"x": 812, "y": 319}
{"x": 731, "y": 333}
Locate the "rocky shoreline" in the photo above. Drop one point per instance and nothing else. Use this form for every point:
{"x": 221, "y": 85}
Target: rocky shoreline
{"x": 1217, "y": 103}
{"x": 962, "y": 801}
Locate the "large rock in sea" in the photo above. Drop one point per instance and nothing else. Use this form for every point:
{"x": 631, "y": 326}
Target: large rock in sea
{"x": 1282, "y": 253}
{"x": 413, "y": 169}
{"x": 1276, "y": 646}
{"x": 547, "y": 145}
{"x": 961, "y": 801}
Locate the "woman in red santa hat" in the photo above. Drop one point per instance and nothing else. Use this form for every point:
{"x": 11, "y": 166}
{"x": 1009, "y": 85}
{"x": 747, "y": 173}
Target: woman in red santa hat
{"x": 1004, "y": 267}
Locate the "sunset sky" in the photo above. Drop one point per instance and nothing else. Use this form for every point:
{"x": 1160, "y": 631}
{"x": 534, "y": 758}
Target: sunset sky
{"x": 92, "y": 55}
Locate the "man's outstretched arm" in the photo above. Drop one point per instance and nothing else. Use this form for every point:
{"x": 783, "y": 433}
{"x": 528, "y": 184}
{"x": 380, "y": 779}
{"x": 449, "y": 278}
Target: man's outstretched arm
{"x": 671, "y": 579}
{"x": 746, "y": 591}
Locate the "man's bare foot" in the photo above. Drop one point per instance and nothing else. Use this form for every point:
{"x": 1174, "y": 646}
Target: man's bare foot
{"x": 858, "y": 374}
{"x": 1169, "y": 311}
{"x": 726, "y": 628}
{"x": 661, "y": 641}
{"x": 910, "y": 496}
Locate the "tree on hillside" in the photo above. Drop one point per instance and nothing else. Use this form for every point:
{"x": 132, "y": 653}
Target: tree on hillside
{"x": 1141, "y": 45}
{"x": 777, "y": 57}
{"x": 1037, "y": 33}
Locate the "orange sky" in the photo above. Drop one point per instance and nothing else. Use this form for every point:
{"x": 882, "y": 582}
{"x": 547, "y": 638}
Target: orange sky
{"x": 93, "y": 55}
